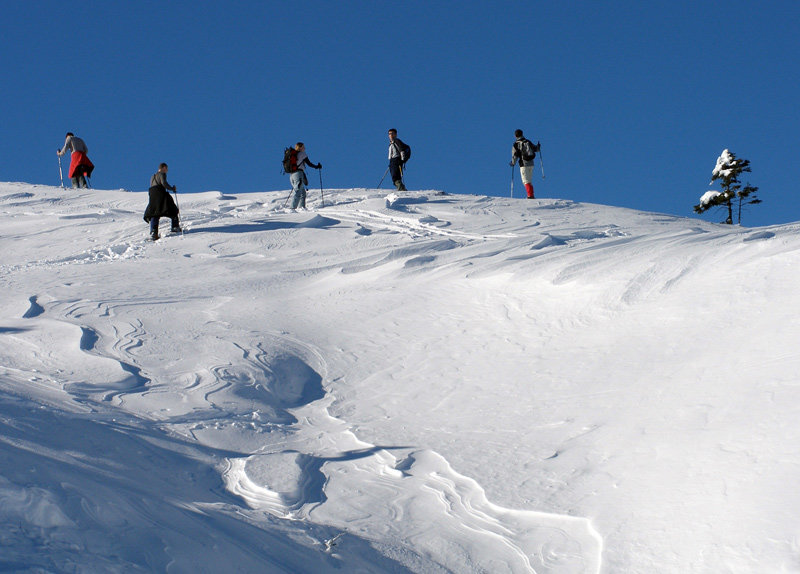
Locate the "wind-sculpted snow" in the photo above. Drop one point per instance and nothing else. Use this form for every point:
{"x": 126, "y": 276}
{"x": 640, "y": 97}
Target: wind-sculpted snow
{"x": 414, "y": 382}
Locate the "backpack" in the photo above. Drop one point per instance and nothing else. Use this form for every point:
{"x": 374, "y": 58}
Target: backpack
{"x": 527, "y": 150}
{"x": 289, "y": 160}
{"x": 403, "y": 147}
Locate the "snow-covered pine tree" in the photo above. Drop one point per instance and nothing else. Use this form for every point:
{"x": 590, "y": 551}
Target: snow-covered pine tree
{"x": 727, "y": 171}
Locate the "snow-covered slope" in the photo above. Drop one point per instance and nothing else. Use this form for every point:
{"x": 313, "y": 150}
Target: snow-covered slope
{"x": 424, "y": 383}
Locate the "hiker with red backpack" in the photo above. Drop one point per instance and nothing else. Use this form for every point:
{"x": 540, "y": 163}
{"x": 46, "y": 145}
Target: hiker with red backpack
{"x": 294, "y": 160}
{"x": 524, "y": 151}
{"x": 79, "y": 166}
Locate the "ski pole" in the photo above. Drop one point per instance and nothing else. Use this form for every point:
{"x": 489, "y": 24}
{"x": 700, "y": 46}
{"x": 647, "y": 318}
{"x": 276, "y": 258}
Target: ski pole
{"x": 287, "y": 199}
{"x": 178, "y": 207}
{"x": 384, "y": 177}
{"x": 541, "y": 158}
{"x": 321, "y": 192}
{"x": 60, "y": 172}
{"x": 512, "y": 180}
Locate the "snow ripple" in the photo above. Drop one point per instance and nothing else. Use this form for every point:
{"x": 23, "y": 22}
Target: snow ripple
{"x": 399, "y": 496}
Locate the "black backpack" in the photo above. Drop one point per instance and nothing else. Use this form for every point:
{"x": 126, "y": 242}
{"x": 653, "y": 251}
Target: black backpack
{"x": 527, "y": 150}
{"x": 403, "y": 147}
{"x": 289, "y": 160}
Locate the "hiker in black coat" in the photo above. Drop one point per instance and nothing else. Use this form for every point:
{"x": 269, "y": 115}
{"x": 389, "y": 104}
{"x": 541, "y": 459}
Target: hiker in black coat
{"x": 161, "y": 203}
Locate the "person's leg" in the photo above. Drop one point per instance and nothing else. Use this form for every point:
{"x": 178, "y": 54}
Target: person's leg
{"x": 303, "y": 193}
{"x": 397, "y": 174}
{"x": 297, "y": 187}
{"x": 154, "y": 228}
{"x": 526, "y": 171}
{"x": 176, "y": 225}
{"x": 75, "y": 182}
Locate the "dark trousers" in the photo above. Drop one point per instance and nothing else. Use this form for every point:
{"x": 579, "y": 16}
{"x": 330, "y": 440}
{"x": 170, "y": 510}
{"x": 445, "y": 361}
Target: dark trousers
{"x": 154, "y": 224}
{"x": 79, "y": 181}
{"x": 396, "y": 171}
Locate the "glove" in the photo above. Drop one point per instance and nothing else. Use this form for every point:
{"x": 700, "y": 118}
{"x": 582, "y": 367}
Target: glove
{"x": 511, "y": 163}
{"x": 319, "y": 165}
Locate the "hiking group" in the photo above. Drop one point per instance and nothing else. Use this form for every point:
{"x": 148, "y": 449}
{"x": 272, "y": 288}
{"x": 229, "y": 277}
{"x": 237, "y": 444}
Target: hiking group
{"x": 295, "y": 160}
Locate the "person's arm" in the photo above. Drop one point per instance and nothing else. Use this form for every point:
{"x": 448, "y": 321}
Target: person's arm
{"x": 162, "y": 179}
{"x": 309, "y": 164}
{"x": 63, "y": 150}
{"x": 168, "y": 186}
{"x": 514, "y": 154}
{"x": 399, "y": 150}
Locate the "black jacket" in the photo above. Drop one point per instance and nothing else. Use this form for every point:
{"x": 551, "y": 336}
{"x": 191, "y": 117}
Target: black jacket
{"x": 161, "y": 204}
{"x": 523, "y": 151}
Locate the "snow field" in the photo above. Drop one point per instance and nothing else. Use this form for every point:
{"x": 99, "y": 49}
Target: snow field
{"x": 417, "y": 382}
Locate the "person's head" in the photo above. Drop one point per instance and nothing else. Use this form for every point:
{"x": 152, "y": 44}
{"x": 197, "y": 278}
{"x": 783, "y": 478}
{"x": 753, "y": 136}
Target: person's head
{"x": 392, "y": 134}
{"x": 299, "y": 146}
{"x": 70, "y": 134}
{"x": 518, "y": 133}
{"x": 163, "y": 168}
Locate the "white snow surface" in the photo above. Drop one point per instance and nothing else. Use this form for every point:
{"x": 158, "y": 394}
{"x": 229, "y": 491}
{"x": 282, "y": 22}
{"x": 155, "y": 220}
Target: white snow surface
{"x": 413, "y": 383}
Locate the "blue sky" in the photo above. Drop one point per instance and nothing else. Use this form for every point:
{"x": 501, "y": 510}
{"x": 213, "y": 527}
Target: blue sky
{"x": 632, "y": 101}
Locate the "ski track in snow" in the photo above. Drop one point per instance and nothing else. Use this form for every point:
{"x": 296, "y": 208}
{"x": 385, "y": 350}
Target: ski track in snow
{"x": 258, "y": 402}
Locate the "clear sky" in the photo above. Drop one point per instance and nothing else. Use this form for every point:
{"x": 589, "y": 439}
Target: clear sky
{"x": 632, "y": 101}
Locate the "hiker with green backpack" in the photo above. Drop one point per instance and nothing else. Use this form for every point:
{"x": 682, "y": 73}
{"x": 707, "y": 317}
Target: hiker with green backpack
{"x": 294, "y": 160}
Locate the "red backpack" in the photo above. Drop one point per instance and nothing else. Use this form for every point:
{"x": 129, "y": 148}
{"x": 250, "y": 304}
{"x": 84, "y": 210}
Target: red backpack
{"x": 289, "y": 160}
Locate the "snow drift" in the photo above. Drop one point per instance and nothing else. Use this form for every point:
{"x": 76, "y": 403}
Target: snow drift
{"x": 413, "y": 383}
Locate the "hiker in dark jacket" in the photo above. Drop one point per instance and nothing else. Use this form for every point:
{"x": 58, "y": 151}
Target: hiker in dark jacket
{"x": 398, "y": 156}
{"x": 298, "y": 179}
{"x": 524, "y": 151}
{"x": 79, "y": 166}
{"x": 161, "y": 203}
